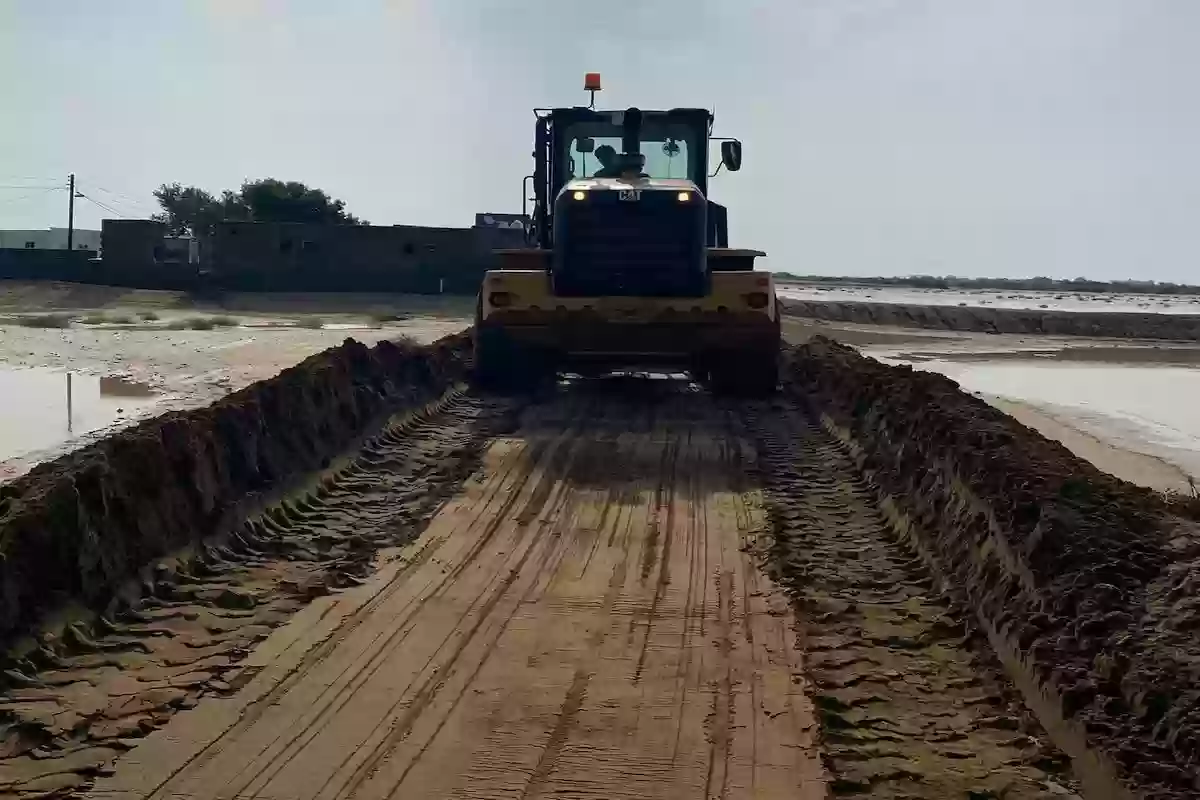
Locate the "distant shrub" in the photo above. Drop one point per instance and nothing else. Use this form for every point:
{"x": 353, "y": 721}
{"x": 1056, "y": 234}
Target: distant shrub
{"x": 107, "y": 319}
{"x": 192, "y": 324}
{"x": 388, "y": 316}
{"x": 44, "y": 321}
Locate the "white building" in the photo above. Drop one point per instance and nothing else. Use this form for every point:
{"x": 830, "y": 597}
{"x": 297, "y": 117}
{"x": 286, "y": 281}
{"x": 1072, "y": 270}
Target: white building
{"x": 49, "y": 239}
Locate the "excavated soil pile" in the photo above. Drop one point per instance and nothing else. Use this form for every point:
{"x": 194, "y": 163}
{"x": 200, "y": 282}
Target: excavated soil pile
{"x": 74, "y": 530}
{"x": 1005, "y": 320}
{"x": 1085, "y": 585}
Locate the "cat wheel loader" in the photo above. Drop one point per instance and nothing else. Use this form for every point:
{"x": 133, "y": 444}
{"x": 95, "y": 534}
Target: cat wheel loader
{"x": 627, "y": 264}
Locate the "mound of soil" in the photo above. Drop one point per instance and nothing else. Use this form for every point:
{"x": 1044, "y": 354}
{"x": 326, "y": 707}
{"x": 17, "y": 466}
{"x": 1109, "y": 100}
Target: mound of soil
{"x": 74, "y": 530}
{"x": 1117, "y": 325}
{"x": 1086, "y": 585}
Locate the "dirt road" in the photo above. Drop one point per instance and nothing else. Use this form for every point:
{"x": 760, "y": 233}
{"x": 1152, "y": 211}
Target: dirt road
{"x": 586, "y": 613}
{"x": 586, "y": 619}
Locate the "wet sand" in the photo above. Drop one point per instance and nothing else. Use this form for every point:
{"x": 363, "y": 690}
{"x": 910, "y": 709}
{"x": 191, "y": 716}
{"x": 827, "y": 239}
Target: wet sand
{"x": 585, "y": 615}
{"x": 1133, "y": 419}
{"x": 987, "y": 298}
{"x": 1089, "y": 394}
{"x": 106, "y": 335}
{"x": 560, "y": 629}
{"x": 1122, "y": 461}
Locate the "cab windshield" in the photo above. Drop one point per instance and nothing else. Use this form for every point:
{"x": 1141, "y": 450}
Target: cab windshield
{"x": 668, "y": 149}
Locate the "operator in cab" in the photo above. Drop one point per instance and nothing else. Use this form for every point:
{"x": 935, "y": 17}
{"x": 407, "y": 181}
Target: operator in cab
{"x": 607, "y": 156}
{"x": 615, "y": 165}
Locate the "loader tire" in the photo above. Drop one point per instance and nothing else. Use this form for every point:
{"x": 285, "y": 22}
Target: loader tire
{"x": 505, "y": 366}
{"x": 745, "y": 375}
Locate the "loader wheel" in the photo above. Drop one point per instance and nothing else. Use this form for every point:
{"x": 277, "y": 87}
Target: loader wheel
{"x": 744, "y": 375}
{"x": 502, "y": 365}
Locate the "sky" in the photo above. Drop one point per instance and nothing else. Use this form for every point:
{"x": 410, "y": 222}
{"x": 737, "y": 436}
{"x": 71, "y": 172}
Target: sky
{"x": 881, "y": 137}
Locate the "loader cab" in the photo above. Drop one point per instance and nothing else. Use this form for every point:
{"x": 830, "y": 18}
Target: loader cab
{"x": 620, "y": 201}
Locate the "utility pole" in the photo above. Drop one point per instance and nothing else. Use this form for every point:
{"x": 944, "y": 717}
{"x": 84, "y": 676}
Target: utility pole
{"x": 71, "y": 215}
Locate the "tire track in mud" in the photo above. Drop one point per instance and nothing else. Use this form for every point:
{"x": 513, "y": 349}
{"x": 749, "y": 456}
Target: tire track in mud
{"x": 585, "y": 618}
{"x": 74, "y": 707}
{"x": 911, "y": 703}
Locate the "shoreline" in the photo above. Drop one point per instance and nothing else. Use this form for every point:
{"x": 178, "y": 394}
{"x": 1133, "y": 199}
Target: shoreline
{"x": 1121, "y": 461}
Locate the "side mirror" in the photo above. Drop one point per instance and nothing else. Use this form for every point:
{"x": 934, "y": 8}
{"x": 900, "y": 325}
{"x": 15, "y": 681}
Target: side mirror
{"x": 731, "y": 155}
{"x": 585, "y": 144}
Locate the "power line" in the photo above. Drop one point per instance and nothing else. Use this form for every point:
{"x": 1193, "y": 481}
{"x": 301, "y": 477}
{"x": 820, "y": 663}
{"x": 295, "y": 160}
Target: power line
{"x": 39, "y": 192}
{"x": 34, "y": 178}
{"x": 96, "y": 202}
{"x": 124, "y": 200}
{"x": 126, "y": 197}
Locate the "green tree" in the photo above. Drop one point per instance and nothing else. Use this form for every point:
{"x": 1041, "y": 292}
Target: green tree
{"x": 271, "y": 200}
{"x": 192, "y": 210}
{"x": 187, "y": 209}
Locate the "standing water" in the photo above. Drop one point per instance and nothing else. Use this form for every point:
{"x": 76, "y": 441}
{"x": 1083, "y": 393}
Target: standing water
{"x": 39, "y": 414}
{"x": 1146, "y": 409}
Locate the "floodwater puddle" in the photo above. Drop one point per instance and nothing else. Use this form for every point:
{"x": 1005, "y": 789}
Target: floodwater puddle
{"x": 347, "y": 326}
{"x": 41, "y": 409}
{"x": 1147, "y": 409}
{"x": 1028, "y": 300}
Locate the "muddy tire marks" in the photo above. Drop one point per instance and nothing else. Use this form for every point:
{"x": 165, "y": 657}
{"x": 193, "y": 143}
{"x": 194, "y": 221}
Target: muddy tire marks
{"x": 583, "y": 615}
{"x": 585, "y": 618}
{"x": 911, "y": 705}
{"x": 73, "y": 705}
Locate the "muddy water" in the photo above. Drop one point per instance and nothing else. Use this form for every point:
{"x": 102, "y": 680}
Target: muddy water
{"x": 35, "y": 407}
{"x": 1145, "y": 409}
{"x": 1052, "y": 301}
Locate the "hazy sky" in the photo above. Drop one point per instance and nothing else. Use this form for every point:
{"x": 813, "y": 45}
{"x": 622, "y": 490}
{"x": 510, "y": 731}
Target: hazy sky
{"x": 973, "y": 137}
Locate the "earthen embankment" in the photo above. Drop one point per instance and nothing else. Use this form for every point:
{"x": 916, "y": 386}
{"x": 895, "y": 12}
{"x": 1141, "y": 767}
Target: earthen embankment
{"x": 1085, "y": 585}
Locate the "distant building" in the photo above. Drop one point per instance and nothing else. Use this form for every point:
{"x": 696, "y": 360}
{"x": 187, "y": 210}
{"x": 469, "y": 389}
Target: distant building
{"x": 49, "y": 239}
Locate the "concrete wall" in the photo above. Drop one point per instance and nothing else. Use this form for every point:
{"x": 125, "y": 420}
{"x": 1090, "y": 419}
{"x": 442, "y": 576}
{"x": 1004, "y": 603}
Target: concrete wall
{"x": 251, "y": 256}
{"x": 49, "y": 239}
{"x": 399, "y": 258}
{"x": 138, "y": 253}
{"x": 19, "y": 264}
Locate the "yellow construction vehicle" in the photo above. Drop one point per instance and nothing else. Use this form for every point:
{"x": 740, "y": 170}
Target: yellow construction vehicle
{"x": 627, "y": 263}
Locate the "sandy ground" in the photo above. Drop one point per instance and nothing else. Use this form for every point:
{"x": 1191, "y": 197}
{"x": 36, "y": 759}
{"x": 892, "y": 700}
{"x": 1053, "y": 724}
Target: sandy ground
{"x": 584, "y": 616}
{"x": 141, "y": 339}
{"x": 453, "y": 671}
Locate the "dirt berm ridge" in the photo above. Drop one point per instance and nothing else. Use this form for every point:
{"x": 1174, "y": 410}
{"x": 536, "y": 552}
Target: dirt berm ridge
{"x": 1117, "y": 325}
{"x": 75, "y": 530}
{"x": 1085, "y": 585}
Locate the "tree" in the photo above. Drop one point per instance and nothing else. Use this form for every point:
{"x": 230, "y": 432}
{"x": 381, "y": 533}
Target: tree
{"x": 187, "y": 210}
{"x": 271, "y": 200}
{"x": 191, "y": 210}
